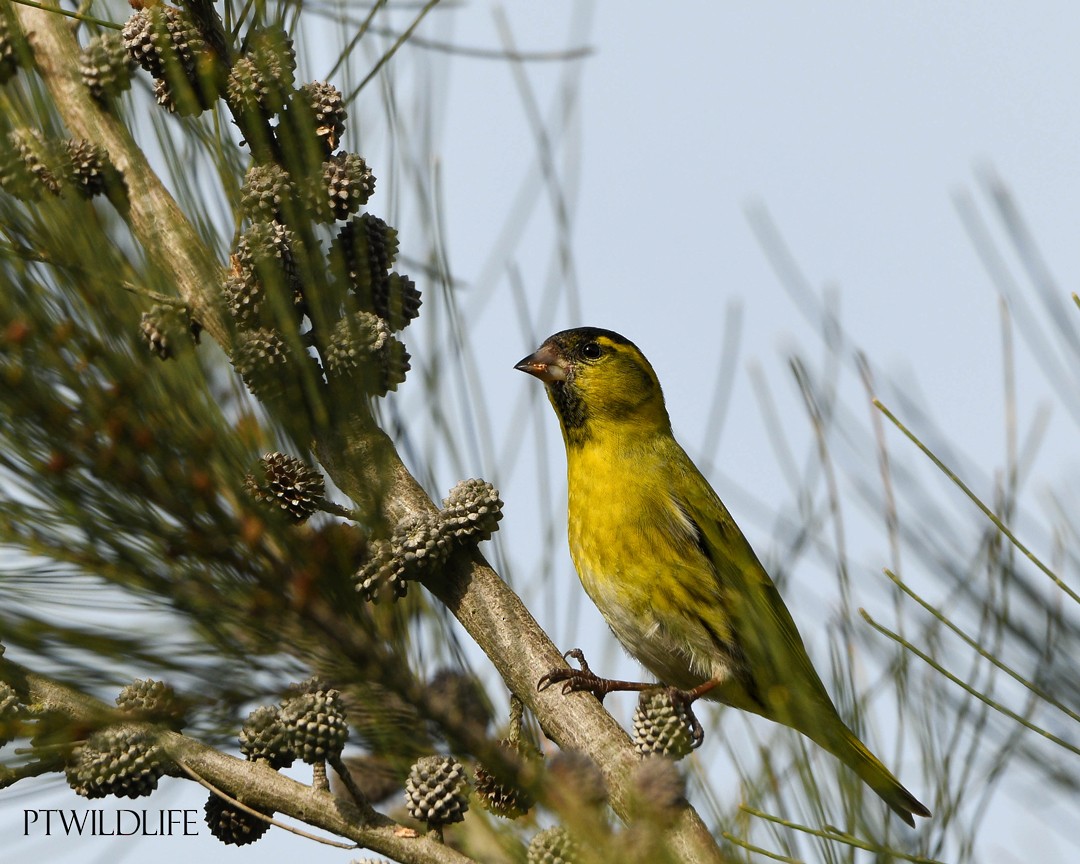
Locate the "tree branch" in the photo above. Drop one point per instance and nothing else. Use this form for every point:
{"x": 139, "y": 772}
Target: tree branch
{"x": 363, "y": 462}
{"x": 257, "y": 785}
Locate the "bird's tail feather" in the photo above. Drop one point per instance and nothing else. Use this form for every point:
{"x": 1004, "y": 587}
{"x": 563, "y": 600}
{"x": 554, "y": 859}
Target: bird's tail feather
{"x": 846, "y": 746}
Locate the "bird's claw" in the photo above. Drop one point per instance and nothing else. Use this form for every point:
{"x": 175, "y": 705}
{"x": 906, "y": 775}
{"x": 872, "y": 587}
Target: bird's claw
{"x": 582, "y": 680}
{"x": 686, "y": 698}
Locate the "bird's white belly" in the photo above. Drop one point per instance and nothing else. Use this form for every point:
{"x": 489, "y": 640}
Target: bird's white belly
{"x": 644, "y": 632}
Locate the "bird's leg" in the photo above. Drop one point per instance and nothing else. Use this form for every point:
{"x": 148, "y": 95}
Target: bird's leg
{"x": 585, "y": 680}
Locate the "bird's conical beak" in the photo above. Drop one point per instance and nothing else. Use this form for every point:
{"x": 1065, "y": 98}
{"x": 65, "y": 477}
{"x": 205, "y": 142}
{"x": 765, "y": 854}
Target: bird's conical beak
{"x": 545, "y": 363}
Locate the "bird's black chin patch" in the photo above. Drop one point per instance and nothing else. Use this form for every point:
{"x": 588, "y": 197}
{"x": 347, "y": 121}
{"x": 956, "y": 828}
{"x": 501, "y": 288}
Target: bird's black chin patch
{"x": 572, "y": 411}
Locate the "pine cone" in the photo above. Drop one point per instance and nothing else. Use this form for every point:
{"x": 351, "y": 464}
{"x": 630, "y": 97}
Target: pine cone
{"x": 244, "y": 299}
{"x": 472, "y": 510}
{"x": 288, "y": 484}
{"x": 326, "y": 108}
{"x": 382, "y": 575}
{"x": 29, "y": 165}
{"x": 106, "y": 66}
{"x": 265, "y": 252}
{"x": 361, "y": 254}
{"x": 416, "y": 546}
{"x": 553, "y": 846}
{"x": 396, "y": 299}
{"x": 166, "y": 42}
{"x": 231, "y": 825}
{"x": 344, "y": 185}
{"x": 261, "y": 357}
{"x": 658, "y": 785}
{"x": 263, "y": 77}
{"x": 436, "y": 791}
{"x": 152, "y": 699}
{"x": 459, "y": 698}
{"x": 316, "y": 724}
{"x": 88, "y": 163}
{"x": 662, "y": 725}
{"x": 167, "y": 328}
{"x": 265, "y": 737}
{"x": 499, "y": 796}
{"x": 119, "y": 761}
{"x": 266, "y": 185}
{"x": 355, "y": 348}
{"x": 575, "y": 779}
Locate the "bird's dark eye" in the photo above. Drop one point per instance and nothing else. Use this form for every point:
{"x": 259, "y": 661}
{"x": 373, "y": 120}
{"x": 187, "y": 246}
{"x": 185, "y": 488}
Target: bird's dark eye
{"x": 590, "y": 350}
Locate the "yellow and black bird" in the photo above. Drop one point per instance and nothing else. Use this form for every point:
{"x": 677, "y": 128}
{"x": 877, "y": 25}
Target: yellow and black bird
{"x": 668, "y": 568}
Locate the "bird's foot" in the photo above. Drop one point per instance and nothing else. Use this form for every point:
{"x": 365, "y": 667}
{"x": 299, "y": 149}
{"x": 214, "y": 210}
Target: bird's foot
{"x": 584, "y": 680}
{"x": 685, "y": 699}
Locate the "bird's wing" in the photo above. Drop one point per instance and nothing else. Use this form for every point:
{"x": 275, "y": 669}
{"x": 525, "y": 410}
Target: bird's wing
{"x": 777, "y": 673}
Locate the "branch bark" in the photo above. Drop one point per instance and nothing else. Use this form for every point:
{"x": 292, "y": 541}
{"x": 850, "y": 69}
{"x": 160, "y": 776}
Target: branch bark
{"x": 257, "y": 785}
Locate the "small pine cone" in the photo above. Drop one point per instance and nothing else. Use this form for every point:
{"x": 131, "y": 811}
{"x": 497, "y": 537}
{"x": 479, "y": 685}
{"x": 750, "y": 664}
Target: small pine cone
{"x": 163, "y": 95}
{"x": 29, "y": 165}
{"x": 395, "y": 365}
{"x": 396, "y": 300}
{"x": 458, "y": 698}
{"x": 326, "y": 107}
{"x": 166, "y": 42}
{"x": 244, "y": 298}
{"x": 345, "y": 184}
{"x": 265, "y": 737}
{"x": 167, "y": 329}
{"x": 382, "y": 575}
{"x": 417, "y": 546}
{"x": 362, "y": 253}
{"x": 500, "y": 797}
{"x": 316, "y": 724}
{"x": 275, "y": 60}
{"x": 143, "y": 41}
{"x": 354, "y": 344}
{"x": 418, "y": 539}
{"x": 553, "y": 846}
{"x": 436, "y": 791}
{"x": 265, "y": 187}
{"x": 106, "y": 66}
{"x": 265, "y": 252}
{"x": 245, "y": 89}
{"x": 472, "y": 510}
{"x": 232, "y": 825}
{"x": 9, "y": 711}
{"x": 657, "y": 784}
{"x": 117, "y": 761}
{"x": 155, "y": 700}
{"x": 262, "y": 357}
{"x": 263, "y": 77}
{"x": 575, "y": 778}
{"x": 289, "y": 484}
{"x": 88, "y": 162}
{"x": 662, "y": 725}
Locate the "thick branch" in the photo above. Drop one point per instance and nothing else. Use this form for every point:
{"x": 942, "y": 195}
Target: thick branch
{"x": 153, "y": 215}
{"x": 257, "y": 785}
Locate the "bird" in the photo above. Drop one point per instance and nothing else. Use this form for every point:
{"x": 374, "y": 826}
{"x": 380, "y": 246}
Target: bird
{"x": 661, "y": 557}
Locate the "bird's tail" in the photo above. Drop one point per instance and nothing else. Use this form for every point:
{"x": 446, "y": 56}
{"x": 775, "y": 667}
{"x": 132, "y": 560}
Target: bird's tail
{"x": 846, "y": 746}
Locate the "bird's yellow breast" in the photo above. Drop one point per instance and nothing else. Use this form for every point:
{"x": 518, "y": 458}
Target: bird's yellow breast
{"x": 627, "y": 537}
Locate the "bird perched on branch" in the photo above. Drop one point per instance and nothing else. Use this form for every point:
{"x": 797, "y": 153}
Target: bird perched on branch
{"x": 668, "y": 568}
